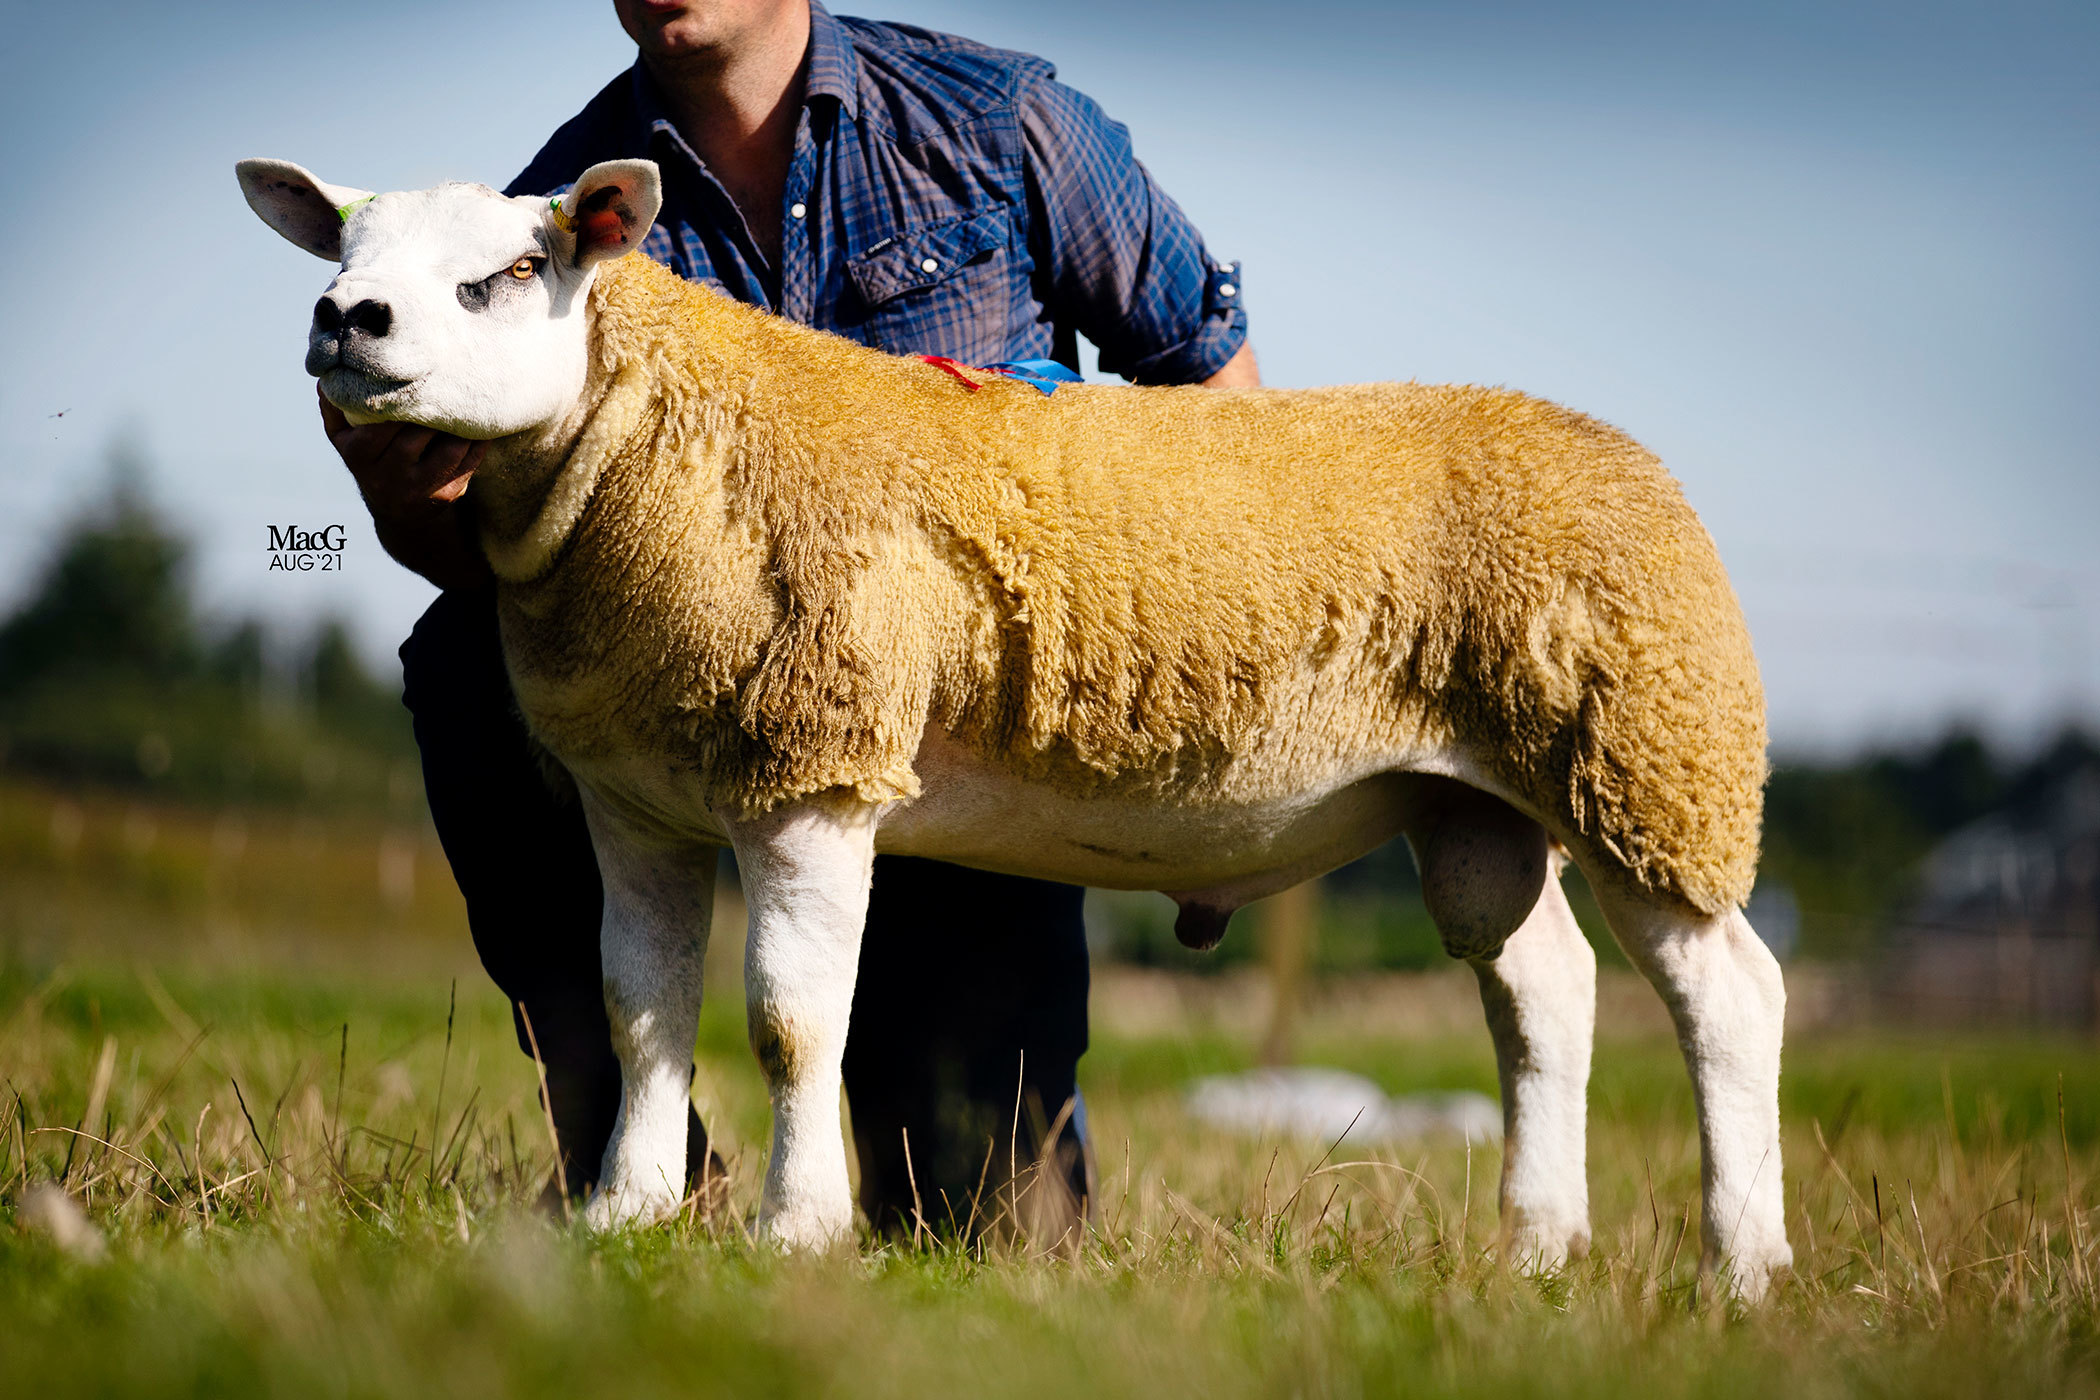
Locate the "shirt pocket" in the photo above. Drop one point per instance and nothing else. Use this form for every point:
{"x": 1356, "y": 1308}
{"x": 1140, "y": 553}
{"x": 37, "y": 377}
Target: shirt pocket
{"x": 938, "y": 289}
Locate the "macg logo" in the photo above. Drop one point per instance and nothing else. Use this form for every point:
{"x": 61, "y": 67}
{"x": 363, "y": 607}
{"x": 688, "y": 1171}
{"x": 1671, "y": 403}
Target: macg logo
{"x": 302, "y": 551}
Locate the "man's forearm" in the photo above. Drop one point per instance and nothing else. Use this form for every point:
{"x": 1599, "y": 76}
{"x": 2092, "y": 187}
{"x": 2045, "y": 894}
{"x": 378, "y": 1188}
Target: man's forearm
{"x": 1239, "y": 372}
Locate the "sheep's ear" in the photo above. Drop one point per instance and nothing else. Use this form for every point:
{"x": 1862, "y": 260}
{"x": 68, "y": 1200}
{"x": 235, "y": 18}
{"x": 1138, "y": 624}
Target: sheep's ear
{"x": 289, "y": 199}
{"x": 608, "y": 211}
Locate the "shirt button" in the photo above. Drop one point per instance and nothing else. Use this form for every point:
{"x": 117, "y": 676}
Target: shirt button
{"x": 1226, "y": 289}
{"x": 930, "y": 265}
{"x": 796, "y": 211}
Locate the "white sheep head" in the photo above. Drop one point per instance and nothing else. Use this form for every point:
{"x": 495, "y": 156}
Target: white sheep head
{"x": 456, "y": 307}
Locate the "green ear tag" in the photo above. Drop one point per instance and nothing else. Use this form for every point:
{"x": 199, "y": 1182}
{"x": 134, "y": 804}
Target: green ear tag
{"x": 561, "y": 220}
{"x": 344, "y": 211}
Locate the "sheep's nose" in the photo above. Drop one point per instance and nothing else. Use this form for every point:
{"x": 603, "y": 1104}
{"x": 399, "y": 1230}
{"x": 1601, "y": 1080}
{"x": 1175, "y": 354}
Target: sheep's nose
{"x": 368, "y": 317}
{"x": 374, "y": 318}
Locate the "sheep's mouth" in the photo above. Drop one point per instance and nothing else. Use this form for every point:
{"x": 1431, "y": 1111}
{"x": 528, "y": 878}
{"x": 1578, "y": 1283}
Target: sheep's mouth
{"x": 361, "y": 390}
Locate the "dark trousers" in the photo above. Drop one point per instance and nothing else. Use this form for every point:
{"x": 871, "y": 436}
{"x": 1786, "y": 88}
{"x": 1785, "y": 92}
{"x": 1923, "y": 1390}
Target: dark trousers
{"x": 969, "y": 1014}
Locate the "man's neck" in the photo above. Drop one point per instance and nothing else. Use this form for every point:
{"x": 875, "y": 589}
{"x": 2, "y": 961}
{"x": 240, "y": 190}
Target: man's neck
{"x": 737, "y": 107}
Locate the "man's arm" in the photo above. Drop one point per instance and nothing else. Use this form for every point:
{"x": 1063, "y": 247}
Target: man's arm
{"x": 412, "y": 479}
{"x": 1118, "y": 259}
{"x": 1240, "y": 372}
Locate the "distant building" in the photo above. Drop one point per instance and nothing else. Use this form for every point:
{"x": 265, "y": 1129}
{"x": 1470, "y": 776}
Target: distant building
{"x": 2006, "y": 925}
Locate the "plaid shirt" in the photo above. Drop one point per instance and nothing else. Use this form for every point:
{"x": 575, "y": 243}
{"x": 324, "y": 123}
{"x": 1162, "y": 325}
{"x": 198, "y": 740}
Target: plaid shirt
{"x": 943, "y": 198}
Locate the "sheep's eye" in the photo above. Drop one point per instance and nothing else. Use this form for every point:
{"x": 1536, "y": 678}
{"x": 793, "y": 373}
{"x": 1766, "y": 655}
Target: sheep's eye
{"x": 523, "y": 269}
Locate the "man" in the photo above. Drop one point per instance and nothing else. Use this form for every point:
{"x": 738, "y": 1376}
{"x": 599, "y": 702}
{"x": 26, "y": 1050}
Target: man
{"x": 912, "y": 191}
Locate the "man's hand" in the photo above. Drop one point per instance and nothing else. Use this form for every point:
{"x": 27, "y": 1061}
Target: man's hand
{"x": 412, "y": 478}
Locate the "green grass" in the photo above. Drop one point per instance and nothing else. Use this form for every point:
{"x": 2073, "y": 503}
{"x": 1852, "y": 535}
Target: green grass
{"x": 325, "y": 1250}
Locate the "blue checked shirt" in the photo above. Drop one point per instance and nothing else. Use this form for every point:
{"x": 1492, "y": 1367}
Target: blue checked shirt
{"x": 943, "y": 198}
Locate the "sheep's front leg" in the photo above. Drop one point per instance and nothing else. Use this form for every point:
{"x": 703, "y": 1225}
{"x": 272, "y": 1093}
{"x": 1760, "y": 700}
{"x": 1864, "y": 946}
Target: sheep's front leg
{"x": 659, "y": 899}
{"x": 1540, "y": 993}
{"x": 805, "y": 872}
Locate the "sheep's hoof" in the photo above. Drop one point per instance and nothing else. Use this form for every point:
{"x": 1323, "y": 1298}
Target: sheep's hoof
{"x": 609, "y": 1210}
{"x": 1540, "y": 1247}
{"x": 805, "y": 1232}
{"x": 1751, "y": 1273}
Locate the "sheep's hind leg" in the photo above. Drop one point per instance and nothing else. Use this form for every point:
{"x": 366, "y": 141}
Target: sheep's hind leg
{"x": 659, "y": 901}
{"x": 805, "y": 871}
{"x": 1540, "y": 994}
{"x": 1724, "y": 991}
{"x": 1491, "y": 884}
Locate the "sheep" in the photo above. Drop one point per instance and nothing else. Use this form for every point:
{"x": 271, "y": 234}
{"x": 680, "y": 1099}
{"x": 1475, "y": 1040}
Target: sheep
{"x": 763, "y": 586}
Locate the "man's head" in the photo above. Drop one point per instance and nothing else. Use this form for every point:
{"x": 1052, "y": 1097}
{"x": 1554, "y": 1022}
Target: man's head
{"x": 456, "y": 307}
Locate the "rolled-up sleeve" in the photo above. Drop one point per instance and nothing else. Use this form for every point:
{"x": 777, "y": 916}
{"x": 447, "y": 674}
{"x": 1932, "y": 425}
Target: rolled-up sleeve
{"x": 1118, "y": 260}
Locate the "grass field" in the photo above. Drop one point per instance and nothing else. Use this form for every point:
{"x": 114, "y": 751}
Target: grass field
{"x": 259, "y": 1153}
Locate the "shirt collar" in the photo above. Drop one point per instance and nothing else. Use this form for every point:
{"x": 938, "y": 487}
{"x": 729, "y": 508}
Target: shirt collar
{"x": 834, "y": 72}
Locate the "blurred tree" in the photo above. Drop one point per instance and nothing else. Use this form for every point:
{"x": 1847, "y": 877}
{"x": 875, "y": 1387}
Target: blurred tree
{"x": 1948, "y": 785}
{"x": 335, "y": 677}
{"x": 107, "y": 677}
{"x": 114, "y": 597}
{"x": 2039, "y": 781}
{"x": 1846, "y": 842}
{"x": 1849, "y": 837}
{"x": 239, "y": 659}
{"x": 346, "y": 697}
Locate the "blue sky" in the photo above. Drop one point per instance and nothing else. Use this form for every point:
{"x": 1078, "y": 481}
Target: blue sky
{"x": 1836, "y": 263}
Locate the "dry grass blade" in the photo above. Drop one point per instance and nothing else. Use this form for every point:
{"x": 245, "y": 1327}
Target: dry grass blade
{"x": 539, "y": 1065}
{"x": 2073, "y": 1226}
{"x": 114, "y": 1148}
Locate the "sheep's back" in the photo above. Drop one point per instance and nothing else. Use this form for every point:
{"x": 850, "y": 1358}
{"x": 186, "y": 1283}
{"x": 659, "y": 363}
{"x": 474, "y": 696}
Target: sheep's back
{"x": 1204, "y": 594}
{"x": 1227, "y": 592}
